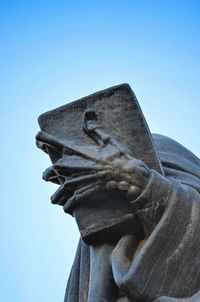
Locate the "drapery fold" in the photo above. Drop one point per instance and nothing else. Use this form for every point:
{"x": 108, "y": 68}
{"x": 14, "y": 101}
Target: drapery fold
{"x": 167, "y": 267}
{"x": 169, "y": 261}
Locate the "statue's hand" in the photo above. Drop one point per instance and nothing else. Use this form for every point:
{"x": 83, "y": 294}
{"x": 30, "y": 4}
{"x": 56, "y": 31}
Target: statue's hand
{"x": 122, "y": 170}
{"x": 114, "y": 169}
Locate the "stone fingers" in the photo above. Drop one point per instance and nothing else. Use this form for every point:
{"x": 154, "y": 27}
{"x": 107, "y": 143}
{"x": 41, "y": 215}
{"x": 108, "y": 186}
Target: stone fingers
{"x": 81, "y": 194}
{"x": 69, "y": 186}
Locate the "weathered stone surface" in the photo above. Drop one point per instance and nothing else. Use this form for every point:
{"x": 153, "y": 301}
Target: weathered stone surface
{"x": 119, "y": 113}
{"x": 136, "y": 200}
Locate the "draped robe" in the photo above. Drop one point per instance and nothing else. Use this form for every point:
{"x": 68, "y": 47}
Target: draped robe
{"x": 167, "y": 266}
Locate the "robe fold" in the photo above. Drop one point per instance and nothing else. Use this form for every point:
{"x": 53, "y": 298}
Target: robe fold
{"x": 167, "y": 266}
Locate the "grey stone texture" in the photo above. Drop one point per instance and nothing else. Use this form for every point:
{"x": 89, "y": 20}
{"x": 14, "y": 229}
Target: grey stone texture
{"x": 135, "y": 197}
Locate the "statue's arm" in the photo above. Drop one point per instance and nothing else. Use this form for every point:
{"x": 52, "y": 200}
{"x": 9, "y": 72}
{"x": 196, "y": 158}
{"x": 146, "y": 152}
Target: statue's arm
{"x": 168, "y": 259}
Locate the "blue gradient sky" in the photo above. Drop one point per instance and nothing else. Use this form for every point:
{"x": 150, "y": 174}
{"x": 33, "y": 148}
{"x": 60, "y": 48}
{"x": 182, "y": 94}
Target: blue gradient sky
{"x": 53, "y": 52}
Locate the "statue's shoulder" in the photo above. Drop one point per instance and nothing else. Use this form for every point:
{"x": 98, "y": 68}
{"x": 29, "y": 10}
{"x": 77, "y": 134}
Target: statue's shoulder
{"x": 177, "y": 160}
{"x": 168, "y": 145}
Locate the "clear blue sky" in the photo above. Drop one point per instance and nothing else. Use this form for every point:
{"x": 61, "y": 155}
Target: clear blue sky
{"x": 53, "y": 52}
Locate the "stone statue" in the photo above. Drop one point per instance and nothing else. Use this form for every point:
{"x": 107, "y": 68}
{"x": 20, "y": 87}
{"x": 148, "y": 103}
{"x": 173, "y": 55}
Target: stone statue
{"x": 135, "y": 198}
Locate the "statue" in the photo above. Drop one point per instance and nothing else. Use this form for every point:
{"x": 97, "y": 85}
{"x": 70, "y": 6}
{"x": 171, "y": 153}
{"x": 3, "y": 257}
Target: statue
{"x": 135, "y": 198}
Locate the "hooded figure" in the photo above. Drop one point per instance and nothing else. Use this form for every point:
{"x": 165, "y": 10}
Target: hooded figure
{"x": 168, "y": 264}
{"x": 139, "y": 219}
